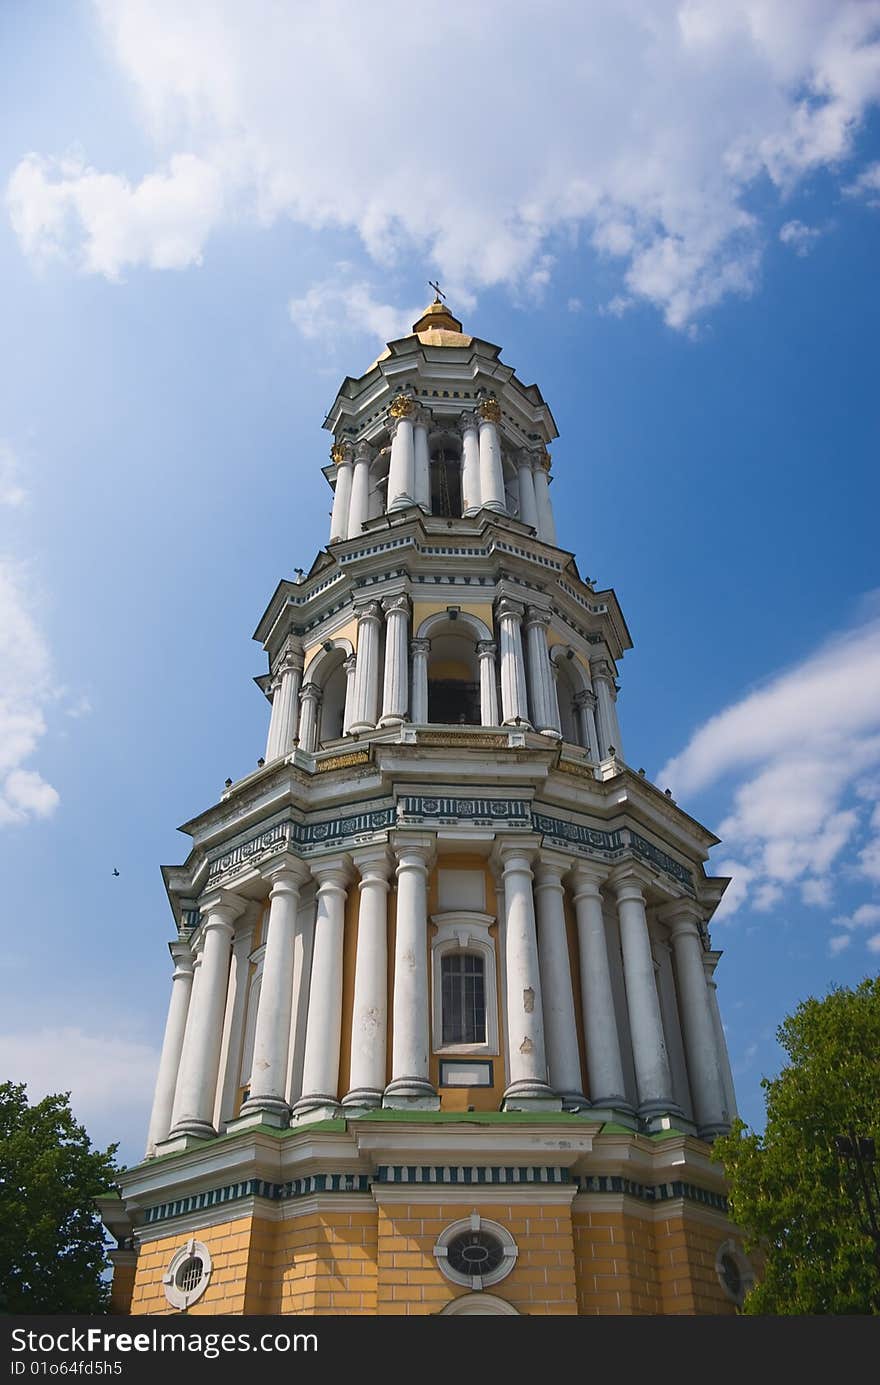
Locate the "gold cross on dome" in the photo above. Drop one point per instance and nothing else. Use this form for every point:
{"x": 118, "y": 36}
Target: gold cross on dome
{"x": 437, "y": 289}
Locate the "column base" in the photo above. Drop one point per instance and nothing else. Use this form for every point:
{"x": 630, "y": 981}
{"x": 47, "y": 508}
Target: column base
{"x": 495, "y": 506}
{"x": 574, "y": 1101}
{"x": 178, "y": 1144}
{"x": 391, "y": 719}
{"x": 411, "y": 1093}
{"x": 530, "y": 1096}
{"x": 359, "y": 728}
{"x": 550, "y": 732}
{"x": 276, "y": 1115}
{"x": 713, "y": 1130}
{"x": 662, "y": 1115}
{"x": 315, "y": 1108}
{"x": 401, "y": 502}
{"x": 362, "y": 1099}
{"x": 200, "y": 1130}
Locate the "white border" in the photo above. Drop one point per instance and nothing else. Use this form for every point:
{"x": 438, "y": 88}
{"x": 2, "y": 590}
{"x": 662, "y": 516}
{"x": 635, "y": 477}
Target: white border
{"x": 179, "y": 1298}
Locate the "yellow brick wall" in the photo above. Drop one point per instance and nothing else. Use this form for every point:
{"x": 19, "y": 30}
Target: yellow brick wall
{"x": 325, "y": 1263}
{"x": 686, "y": 1250}
{"x": 239, "y": 1279}
{"x": 615, "y": 1263}
{"x": 543, "y": 1281}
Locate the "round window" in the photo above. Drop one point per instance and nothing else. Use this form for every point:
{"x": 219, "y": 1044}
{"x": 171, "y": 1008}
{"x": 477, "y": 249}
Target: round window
{"x": 475, "y": 1252}
{"x": 734, "y": 1272}
{"x": 187, "y": 1276}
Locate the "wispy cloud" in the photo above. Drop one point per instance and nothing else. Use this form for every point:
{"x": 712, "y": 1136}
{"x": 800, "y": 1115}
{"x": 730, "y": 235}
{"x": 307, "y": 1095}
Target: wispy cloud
{"x": 344, "y": 306}
{"x": 25, "y": 690}
{"x": 800, "y": 754}
{"x": 662, "y": 121}
{"x": 12, "y": 489}
{"x": 866, "y": 185}
{"x": 800, "y": 237}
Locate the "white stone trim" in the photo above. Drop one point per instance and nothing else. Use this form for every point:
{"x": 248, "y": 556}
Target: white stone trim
{"x": 463, "y": 930}
{"x": 488, "y": 1305}
{"x": 184, "y": 1298}
{"x": 476, "y": 1223}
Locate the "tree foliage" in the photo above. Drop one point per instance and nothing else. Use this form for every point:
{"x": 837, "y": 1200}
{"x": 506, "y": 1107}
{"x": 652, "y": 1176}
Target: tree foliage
{"x": 51, "y": 1238}
{"x": 789, "y": 1192}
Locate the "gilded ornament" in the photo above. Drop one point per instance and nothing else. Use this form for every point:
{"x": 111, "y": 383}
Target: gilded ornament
{"x": 402, "y": 407}
{"x": 490, "y": 410}
{"x": 337, "y": 453}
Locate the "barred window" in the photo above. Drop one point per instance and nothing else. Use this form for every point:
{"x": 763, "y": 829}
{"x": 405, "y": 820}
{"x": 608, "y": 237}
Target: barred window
{"x": 464, "y": 998}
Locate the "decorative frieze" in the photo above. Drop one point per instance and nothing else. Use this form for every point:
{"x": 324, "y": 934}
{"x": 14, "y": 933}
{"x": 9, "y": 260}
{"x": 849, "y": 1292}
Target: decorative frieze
{"x": 258, "y": 1187}
{"x": 649, "y": 852}
{"x": 648, "y": 1192}
{"x": 468, "y": 1174}
{"x": 302, "y": 836}
{"x": 508, "y": 812}
{"x": 577, "y": 835}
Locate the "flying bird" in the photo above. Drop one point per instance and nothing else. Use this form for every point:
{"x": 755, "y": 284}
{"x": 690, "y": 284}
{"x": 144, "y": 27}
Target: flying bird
{"x": 115, "y": 871}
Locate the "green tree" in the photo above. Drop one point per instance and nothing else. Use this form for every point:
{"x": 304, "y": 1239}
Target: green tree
{"x": 51, "y": 1238}
{"x": 789, "y": 1191}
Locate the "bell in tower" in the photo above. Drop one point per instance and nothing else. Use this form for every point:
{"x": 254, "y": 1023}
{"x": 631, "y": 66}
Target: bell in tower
{"x": 443, "y": 1022}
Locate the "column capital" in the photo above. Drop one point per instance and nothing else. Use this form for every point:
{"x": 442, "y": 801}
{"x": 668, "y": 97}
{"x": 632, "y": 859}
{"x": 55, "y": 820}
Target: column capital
{"x": 311, "y": 692}
{"x": 511, "y": 857}
{"x": 371, "y": 610}
{"x": 396, "y": 605}
{"x": 182, "y": 956}
{"x": 585, "y": 698}
{"x": 489, "y": 410}
{"x": 486, "y": 649}
{"x": 536, "y": 616}
{"x": 221, "y": 905}
{"x": 541, "y": 459}
{"x": 507, "y": 608}
{"x": 342, "y": 453}
{"x": 415, "y": 850}
{"x": 586, "y": 879}
{"x": 364, "y": 451}
{"x": 468, "y": 419}
{"x": 290, "y": 656}
{"x": 630, "y": 882}
{"x": 349, "y": 663}
{"x": 601, "y": 668}
{"x": 402, "y": 406}
{"x": 331, "y": 873}
{"x": 682, "y": 916}
{"x": 549, "y": 868}
{"x": 286, "y": 875}
{"x": 422, "y": 417}
{"x": 373, "y": 864}
{"x": 420, "y": 647}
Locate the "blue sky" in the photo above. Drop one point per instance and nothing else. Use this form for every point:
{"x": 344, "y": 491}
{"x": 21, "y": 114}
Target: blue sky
{"x": 667, "y": 215}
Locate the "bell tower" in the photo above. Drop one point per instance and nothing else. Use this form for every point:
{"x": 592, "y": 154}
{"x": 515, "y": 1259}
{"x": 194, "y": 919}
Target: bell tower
{"x": 443, "y": 1015}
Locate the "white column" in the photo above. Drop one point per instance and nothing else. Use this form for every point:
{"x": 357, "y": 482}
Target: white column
{"x": 285, "y": 703}
{"x": 698, "y": 1026}
{"x": 609, "y": 731}
{"x": 514, "y": 701}
{"x": 342, "y": 455}
{"x": 560, "y": 1026}
{"x": 401, "y": 472}
{"x": 585, "y": 702}
{"x": 197, "y": 1084}
{"x": 370, "y": 1008}
{"x": 395, "y": 691}
{"x": 233, "y": 1025}
{"x": 528, "y": 505}
{"x": 358, "y": 509}
{"x": 421, "y": 462}
{"x": 542, "y": 683}
{"x": 709, "y": 961}
{"x": 350, "y": 666}
{"x": 470, "y": 464}
{"x": 541, "y": 481}
{"x": 319, "y": 1098}
{"x": 190, "y": 1022}
{"x": 172, "y": 1045}
{"x": 272, "y": 1033}
{"x": 604, "y": 1064}
{"x": 527, "y": 1086}
{"x": 366, "y": 677}
{"x": 486, "y": 651}
{"x": 653, "y": 1077}
{"x": 310, "y": 701}
{"x": 421, "y": 650}
{"x": 410, "y": 1084}
{"x": 492, "y": 495}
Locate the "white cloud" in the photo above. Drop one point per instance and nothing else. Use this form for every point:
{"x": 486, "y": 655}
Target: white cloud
{"x": 801, "y": 755}
{"x": 110, "y": 1077}
{"x": 662, "y": 120}
{"x": 344, "y": 305}
{"x": 12, "y": 492}
{"x": 866, "y": 916}
{"x": 873, "y": 943}
{"x": 25, "y": 689}
{"x": 800, "y": 237}
{"x": 866, "y": 185}
{"x": 839, "y": 944}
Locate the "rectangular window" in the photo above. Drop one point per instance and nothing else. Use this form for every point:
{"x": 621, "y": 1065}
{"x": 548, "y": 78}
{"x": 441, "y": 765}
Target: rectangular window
{"x": 463, "y": 998}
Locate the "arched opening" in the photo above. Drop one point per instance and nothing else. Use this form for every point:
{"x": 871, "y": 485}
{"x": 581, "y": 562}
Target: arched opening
{"x": 333, "y": 699}
{"x": 567, "y": 688}
{"x": 453, "y": 680}
{"x": 445, "y": 478}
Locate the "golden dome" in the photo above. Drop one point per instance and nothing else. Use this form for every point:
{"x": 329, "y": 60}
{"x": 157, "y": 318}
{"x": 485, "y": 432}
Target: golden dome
{"x": 435, "y": 316}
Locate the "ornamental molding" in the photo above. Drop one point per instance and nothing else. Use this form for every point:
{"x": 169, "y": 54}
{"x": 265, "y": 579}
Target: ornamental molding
{"x": 490, "y": 411}
{"x": 651, "y": 1192}
{"x": 485, "y": 812}
{"x": 402, "y": 407}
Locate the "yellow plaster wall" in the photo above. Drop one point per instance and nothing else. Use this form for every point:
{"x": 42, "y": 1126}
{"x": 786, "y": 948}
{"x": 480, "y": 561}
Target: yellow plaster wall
{"x": 422, "y": 609}
{"x": 543, "y": 1281}
{"x": 345, "y": 632}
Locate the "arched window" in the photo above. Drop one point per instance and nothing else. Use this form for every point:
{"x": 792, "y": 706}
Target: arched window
{"x": 463, "y": 1000}
{"x": 445, "y": 481}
